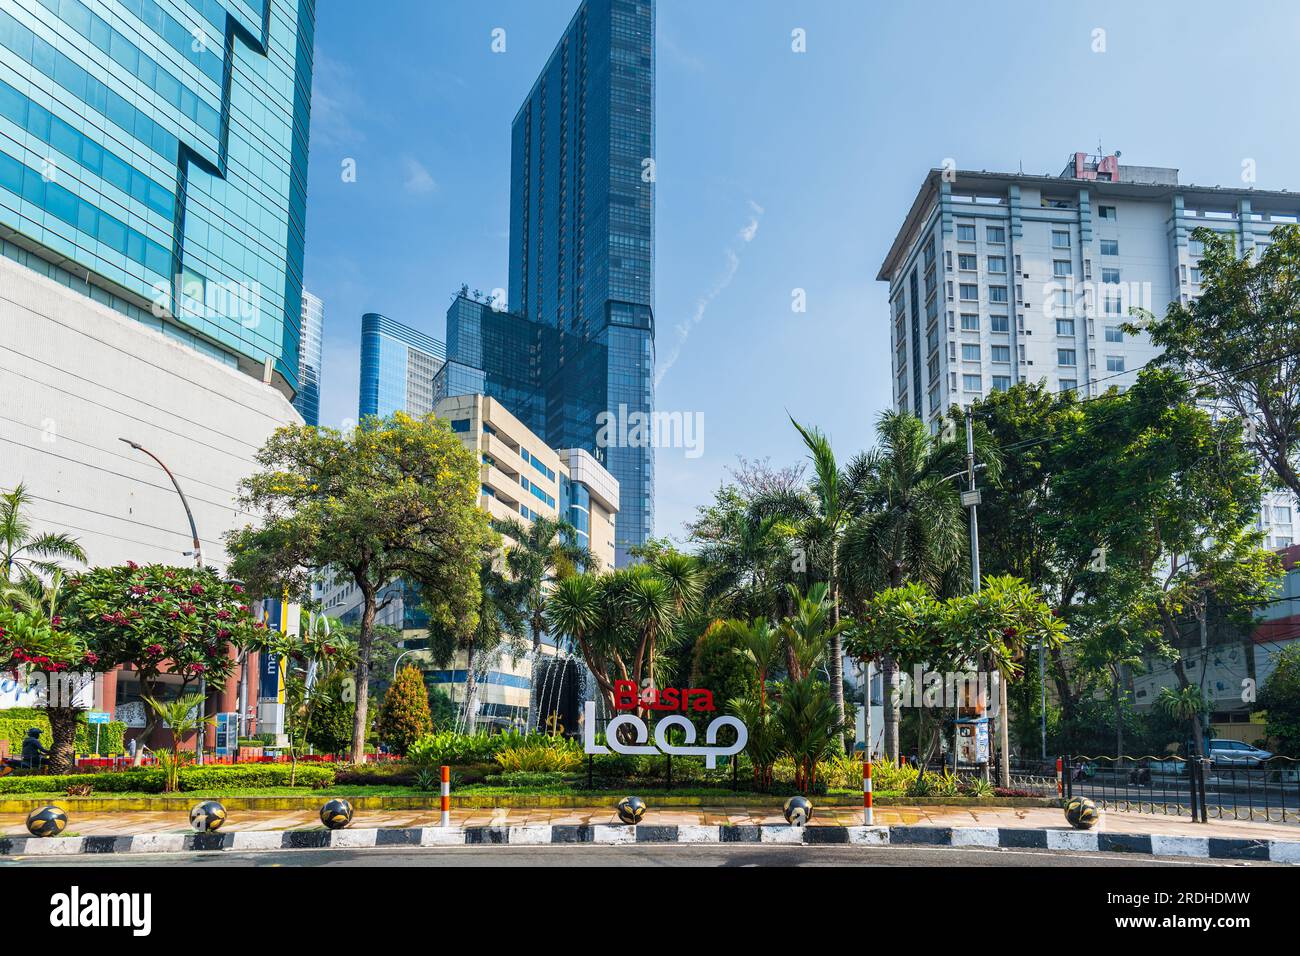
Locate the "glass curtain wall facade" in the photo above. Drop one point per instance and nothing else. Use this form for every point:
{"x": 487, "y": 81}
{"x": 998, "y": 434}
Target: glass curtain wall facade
{"x": 153, "y": 153}
{"x": 310, "y": 355}
{"x": 398, "y": 367}
{"x": 582, "y": 237}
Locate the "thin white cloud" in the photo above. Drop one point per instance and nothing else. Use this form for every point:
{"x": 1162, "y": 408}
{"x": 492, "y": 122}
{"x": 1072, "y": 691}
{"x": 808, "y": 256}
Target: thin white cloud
{"x": 732, "y": 253}
{"x": 334, "y": 104}
{"x": 418, "y": 179}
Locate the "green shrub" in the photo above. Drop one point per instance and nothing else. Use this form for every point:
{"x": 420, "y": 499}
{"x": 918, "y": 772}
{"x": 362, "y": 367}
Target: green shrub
{"x": 842, "y": 772}
{"x": 548, "y": 755}
{"x": 404, "y": 714}
{"x": 524, "y": 779}
{"x": 885, "y": 776}
{"x": 137, "y": 781}
{"x": 238, "y": 776}
{"x": 150, "y": 780}
{"x": 434, "y": 750}
{"x": 933, "y": 784}
{"x": 14, "y": 724}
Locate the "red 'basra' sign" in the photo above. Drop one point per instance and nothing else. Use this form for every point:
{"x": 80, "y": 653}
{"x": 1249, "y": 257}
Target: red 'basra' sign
{"x": 670, "y": 698}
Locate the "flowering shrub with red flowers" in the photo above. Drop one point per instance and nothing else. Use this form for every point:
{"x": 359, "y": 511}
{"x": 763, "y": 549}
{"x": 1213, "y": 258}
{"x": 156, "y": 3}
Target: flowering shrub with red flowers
{"x": 32, "y": 641}
{"x": 40, "y": 651}
{"x": 160, "y": 620}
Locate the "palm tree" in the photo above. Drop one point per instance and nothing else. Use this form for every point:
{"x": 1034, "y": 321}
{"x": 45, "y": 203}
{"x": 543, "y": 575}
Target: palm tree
{"x": 1188, "y": 705}
{"x": 500, "y": 619}
{"x": 908, "y": 523}
{"x": 647, "y": 604}
{"x": 575, "y": 609}
{"x": 624, "y": 620}
{"x": 760, "y": 644}
{"x": 26, "y": 557}
{"x": 542, "y": 552}
{"x": 809, "y": 632}
{"x": 182, "y": 717}
{"x": 820, "y": 517}
{"x": 744, "y": 558}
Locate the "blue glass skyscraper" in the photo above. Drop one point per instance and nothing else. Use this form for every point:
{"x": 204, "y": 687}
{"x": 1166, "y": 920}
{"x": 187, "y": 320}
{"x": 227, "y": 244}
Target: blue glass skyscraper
{"x": 582, "y": 238}
{"x": 398, "y": 365}
{"x": 310, "y": 356}
{"x": 153, "y": 153}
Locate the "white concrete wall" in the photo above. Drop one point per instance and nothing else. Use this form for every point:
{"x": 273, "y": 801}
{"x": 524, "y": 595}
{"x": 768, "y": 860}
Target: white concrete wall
{"x": 75, "y": 376}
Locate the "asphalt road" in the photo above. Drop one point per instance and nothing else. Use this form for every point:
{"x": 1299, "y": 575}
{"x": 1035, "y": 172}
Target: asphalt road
{"x": 636, "y": 855}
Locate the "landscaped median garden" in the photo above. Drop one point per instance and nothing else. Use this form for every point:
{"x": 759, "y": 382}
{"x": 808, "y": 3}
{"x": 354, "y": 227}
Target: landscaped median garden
{"x": 505, "y": 770}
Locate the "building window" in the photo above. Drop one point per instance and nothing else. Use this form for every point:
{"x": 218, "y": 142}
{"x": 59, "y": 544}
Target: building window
{"x": 1062, "y": 267}
{"x": 970, "y": 352}
{"x": 1001, "y": 353}
{"x": 997, "y": 263}
{"x": 1069, "y": 384}
{"x": 1060, "y": 239}
{"x": 1282, "y": 514}
{"x": 1066, "y": 357}
{"x": 1112, "y": 304}
{"x": 970, "y": 292}
{"x": 1196, "y": 275}
{"x": 970, "y": 322}
{"x": 1114, "y": 363}
{"x": 1106, "y": 212}
{"x": 967, "y": 262}
{"x": 1065, "y": 327}
{"x": 995, "y": 234}
{"x": 460, "y": 424}
{"x": 1001, "y": 383}
{"x": 1114, "y": 333}
{"x": 999, "y": 323}
{"x": 972, "y": 383}
{"x": 997, "y": 293}
{"x": 1110, "y": 247}
{"x": 1110, "y": 276}
{"x": 965, "y": 233}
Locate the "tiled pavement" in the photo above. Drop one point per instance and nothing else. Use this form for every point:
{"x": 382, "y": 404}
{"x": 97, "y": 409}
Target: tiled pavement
{"x": 138, "y": 822}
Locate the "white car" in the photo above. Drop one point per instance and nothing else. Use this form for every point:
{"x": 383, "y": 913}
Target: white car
{"x": 1225, "y": 753}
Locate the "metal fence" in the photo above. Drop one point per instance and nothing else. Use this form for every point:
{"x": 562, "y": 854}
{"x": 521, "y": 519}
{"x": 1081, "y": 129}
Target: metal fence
{"x": 1200, "y": 789}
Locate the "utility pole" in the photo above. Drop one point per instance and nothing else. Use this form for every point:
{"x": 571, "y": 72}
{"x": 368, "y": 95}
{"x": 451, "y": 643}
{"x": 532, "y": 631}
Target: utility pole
{"x": 971, "y": 499}
{"x": 1042, "y": 694}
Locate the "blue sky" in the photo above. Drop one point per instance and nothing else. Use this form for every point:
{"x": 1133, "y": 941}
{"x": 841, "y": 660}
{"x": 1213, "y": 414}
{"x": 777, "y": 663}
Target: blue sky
{"x": 776, "y": 170}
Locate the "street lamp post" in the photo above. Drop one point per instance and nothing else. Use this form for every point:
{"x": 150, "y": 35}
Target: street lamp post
{"x": 414, "y": 650}
{"x": 199, "y": 738}
{"x": 194, "y": 531}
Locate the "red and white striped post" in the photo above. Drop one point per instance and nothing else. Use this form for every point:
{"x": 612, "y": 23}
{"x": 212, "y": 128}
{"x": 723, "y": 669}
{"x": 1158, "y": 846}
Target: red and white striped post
{"x": 1060, "y": 786}
{"x": 446, "y": 796}
{"x": 868, "y": 815}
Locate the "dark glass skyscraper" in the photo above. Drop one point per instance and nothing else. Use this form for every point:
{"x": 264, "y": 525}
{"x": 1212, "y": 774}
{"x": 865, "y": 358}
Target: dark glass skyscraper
{"x": 582, "y": 239}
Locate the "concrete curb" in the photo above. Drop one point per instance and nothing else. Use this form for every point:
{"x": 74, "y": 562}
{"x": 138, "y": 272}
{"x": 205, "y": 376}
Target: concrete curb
{"x": 1196, "y": 847}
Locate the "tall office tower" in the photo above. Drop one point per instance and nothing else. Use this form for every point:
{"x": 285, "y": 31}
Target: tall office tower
{"x": 310, "y": 355}
{"x": 153, "y": 167}
{"x": 398, "y": 365}
{"x": 582, "y": 237}
{"x": 997, "y": 278}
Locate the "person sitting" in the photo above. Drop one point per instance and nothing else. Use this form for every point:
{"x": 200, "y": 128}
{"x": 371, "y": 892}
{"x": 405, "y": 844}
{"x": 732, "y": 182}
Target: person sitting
{"x": 35, "y": 753}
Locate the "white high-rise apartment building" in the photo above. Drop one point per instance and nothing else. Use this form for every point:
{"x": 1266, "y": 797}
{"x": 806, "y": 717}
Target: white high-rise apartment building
{"x": 997, "y": 278}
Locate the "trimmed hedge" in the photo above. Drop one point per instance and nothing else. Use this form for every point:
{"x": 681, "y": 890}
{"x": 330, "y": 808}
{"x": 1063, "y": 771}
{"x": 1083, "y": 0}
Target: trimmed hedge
{"x": 150, "y": 780}
{"x": 15, "y": 723}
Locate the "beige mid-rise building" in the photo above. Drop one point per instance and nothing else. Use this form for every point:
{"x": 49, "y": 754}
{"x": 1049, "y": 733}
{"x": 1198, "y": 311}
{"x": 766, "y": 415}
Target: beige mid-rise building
{"x": 521, "y": 479}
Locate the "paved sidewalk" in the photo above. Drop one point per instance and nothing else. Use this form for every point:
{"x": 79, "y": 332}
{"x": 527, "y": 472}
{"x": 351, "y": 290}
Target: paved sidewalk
{"x": 142, "y": 822}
